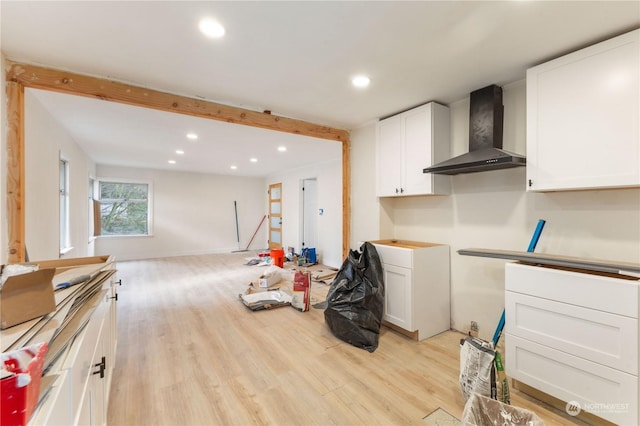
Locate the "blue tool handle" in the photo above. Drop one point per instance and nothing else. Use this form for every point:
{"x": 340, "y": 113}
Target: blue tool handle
{"x": 532, "y": 246}
{"x": 73, "y": 281}
{"x": 536, "y": 236}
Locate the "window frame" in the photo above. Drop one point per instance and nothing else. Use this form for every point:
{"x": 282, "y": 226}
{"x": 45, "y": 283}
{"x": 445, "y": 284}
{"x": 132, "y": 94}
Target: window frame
{"x": 91, "y": 210}
{"x": 64, "y": 195}
{"x": 98, "y": 195}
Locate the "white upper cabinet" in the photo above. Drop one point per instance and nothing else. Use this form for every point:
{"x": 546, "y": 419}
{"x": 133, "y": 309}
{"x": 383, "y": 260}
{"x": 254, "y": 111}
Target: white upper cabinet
{"x": 408, "y": 142}
{"x": 583, "y": 118}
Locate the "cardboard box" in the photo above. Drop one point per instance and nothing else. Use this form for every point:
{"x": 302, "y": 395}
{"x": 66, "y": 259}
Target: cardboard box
{"x": 271, "y": 276}
{"x": 61, "y": 265}
{"x": 266, "y": 281}
{"x": 26, "y": 296}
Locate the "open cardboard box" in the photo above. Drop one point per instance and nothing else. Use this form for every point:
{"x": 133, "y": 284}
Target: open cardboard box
{"x": 31, "y": 295}
{"x": 26, "y": 296}
{"x": 61, "y": 265}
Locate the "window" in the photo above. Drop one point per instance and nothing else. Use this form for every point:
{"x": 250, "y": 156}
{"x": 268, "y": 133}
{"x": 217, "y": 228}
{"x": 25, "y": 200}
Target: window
{"x": 64, "y": 206}
{"x": 124, "y": 207}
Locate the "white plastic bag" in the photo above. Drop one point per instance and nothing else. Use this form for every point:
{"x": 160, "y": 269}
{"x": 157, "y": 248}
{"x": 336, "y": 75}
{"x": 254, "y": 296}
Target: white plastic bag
{"x": 482, "y": 411}
{"x": 477, "y": 369}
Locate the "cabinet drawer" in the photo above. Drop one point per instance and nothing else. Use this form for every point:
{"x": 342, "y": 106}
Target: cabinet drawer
{"x": 597, "y": 336}
{"x": 602, "y": 391}
{"x": 615, "y": 295}
{"x": 395, "y": 255}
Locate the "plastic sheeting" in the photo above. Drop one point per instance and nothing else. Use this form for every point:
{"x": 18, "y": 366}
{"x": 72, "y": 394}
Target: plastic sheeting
{"x": 355, "y": 300}
{"x": 482, "y": 411}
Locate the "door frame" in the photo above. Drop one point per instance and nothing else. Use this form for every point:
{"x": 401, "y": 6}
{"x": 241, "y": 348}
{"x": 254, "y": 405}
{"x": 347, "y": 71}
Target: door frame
{"x": 305, "y": 241}
{"x": 272, "y": 245}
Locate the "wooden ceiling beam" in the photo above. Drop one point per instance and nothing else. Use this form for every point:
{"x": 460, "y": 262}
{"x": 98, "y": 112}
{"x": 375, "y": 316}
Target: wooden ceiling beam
{"x": 19, "y": 76}
{"x": 77, "y": 84}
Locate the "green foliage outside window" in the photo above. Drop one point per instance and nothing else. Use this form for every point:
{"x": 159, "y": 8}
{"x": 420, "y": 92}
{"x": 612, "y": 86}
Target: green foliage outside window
{"x": 124, "y": 208}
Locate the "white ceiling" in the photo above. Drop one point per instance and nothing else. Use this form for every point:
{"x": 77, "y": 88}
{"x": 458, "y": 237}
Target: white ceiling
{"x": 293, "y": 58}
{"x": 118, "y": 134}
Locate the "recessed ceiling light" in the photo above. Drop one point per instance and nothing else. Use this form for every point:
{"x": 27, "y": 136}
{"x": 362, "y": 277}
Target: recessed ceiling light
{"x": 282, "y": 148}
{"x": 179, "y": 151}
{"x": 253, "y": 160}
{"x": 360, "y": 81}
{"x": 234, "y": 167}
{"x": 172, "y": 161}
{"x": 211, "y": 28}
{"x": 192, "y": 136}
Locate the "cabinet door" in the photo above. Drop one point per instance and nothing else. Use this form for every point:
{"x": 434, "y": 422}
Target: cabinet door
{"x": 417, "y": 151}
{"x": 583, "y": 118}
{"x": 110, "y": 342}
{"x": 89, "y": 411}
{"x": 389, "y": 157}
{"x": 98, "y": 382}
{"x": 397, "y": 297}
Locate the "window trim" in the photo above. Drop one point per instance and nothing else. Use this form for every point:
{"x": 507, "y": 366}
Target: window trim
{"x": 149, "y": 184}
{"x": 64, "y": 230}
{"x": 91, "y": 212}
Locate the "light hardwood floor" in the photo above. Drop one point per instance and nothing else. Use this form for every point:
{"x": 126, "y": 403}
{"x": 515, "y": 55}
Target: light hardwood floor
{"x": 189, "y": 353}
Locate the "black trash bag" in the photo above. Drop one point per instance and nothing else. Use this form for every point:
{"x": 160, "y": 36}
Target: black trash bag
{"x": 355, "y": 300}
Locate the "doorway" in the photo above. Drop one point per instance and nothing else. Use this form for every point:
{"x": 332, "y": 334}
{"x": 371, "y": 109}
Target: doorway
{"x": 275, "y": 216}
{"x": 309, "y": 225}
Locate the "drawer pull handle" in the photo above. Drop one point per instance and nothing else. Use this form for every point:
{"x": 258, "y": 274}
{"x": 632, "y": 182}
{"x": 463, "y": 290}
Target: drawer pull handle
{"x": 114, "y": 297}
{"x": 103, "y": 365}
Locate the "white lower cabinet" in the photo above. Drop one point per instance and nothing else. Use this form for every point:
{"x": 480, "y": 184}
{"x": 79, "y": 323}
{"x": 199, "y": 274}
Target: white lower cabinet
{"x": 416, "y": 279}
{"x": 574, "y": 335}
{"x": 79, "y": 394}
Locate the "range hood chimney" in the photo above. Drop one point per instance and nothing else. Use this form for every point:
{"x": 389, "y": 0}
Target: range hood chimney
{"x": 485, "y": 138}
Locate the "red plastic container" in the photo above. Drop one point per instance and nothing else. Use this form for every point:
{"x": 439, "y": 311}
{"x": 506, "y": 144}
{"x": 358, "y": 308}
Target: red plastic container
{"x": 19, "y": 400}
{"x": 277, "y": 258}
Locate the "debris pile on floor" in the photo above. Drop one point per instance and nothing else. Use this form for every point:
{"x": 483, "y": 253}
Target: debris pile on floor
{"x": 259, "y": 300}
{"x": 299, "y": 287}
{"x": 319, "y": 273}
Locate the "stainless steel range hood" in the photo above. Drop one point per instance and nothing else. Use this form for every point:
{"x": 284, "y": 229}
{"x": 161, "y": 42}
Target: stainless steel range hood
{"x": 485, "y": 138}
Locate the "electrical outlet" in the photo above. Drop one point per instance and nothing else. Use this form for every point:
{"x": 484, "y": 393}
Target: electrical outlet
{"x": 473, "y": 329}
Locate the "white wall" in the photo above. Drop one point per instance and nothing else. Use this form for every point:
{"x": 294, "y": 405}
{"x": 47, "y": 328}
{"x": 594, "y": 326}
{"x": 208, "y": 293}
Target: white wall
{"x": 365, "y": 207}
{"x": 45, "y": 139}
{"x": 193, "y": 213}
{"x": 329, "y": 191}
{"x": 493, "y": 210}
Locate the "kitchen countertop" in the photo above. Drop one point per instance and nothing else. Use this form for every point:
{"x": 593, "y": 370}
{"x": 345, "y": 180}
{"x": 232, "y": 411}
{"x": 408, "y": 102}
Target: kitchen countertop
{"x": 404, "y": 243}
